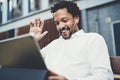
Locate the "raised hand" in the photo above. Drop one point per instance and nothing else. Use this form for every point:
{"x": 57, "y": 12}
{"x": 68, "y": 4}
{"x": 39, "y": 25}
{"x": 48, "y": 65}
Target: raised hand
{"x": 37, "y": 28}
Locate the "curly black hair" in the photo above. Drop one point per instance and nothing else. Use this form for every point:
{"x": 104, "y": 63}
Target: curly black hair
{"x": 72, "y": 8}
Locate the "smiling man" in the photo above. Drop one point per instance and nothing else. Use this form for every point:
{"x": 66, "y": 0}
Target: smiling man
{"x": 66, "y": 24}
{"x": 75, "y": 55}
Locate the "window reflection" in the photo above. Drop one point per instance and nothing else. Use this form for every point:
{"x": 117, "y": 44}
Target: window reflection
{"x": 14, "y": 8}
{"x": 34, "y": 5}
{"x": 0, "y": 12}
{"x": 54, "y": 1}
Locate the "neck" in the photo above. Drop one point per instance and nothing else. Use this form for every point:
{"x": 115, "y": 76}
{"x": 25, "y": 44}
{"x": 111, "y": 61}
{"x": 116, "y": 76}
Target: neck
{"x": 76, "y": 29}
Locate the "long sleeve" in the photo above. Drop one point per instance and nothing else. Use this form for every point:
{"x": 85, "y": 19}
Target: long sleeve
{"x": 100, "y": 68}
{"x": 83, "y": 57}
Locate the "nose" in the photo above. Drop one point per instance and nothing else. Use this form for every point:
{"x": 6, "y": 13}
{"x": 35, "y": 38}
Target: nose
{"x": 61, "y": 25}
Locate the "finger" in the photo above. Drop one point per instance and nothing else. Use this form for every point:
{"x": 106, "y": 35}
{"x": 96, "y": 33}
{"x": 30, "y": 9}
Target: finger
{"x": 38, "y": 22}
{"x": 53, "y": 73}
{"x": 34, "y": 25}
{"x": 31, "y": 24}
{"x": 43, "y": 34}
{"x": 38, "y": 19}
{"x": 53, "y": 78}
{"x": 56, "y": 78}
{"x": 35, "y": 22}
{"x": 42, "y": 25}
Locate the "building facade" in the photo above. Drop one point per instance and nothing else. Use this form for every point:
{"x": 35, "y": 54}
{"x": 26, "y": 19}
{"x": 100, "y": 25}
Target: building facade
{"x": 100, "y": 16}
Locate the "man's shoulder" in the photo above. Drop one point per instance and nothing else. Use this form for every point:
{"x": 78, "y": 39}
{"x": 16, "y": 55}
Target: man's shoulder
{"x": 93, "y": 34}
{"x": 88, "y": 34}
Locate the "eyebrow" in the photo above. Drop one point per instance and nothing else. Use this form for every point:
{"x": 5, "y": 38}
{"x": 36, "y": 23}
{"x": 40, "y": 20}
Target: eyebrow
{"x": 61, "y": 19}
{"x": 65, "y": 18}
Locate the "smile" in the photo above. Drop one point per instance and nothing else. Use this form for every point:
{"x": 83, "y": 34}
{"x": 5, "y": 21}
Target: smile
{"x": 64, "y": 29}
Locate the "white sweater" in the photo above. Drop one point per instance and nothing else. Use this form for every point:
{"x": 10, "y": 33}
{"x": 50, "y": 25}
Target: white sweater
{"x": 82, "y": 57}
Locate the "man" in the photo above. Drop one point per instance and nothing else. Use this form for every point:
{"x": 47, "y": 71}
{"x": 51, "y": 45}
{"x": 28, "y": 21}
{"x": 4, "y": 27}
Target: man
{"x": 75, "y": 55}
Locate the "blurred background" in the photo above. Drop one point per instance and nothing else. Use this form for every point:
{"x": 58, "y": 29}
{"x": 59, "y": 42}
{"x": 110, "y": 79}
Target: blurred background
{"x": 100, "y": 16}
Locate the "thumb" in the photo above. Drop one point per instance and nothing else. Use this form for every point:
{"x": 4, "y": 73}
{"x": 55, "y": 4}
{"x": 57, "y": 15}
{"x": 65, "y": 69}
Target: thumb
{"x": 43, "y": 34}
{"x": 53, "y": 73}
{"x": 40, "y": 36}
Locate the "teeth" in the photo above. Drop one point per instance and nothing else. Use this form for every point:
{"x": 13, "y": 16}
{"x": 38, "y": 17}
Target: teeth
{"x": 63, "y": 30}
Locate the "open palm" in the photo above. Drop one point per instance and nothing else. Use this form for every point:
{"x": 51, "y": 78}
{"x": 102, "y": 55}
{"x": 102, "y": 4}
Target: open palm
{"x": 36, "y": 29}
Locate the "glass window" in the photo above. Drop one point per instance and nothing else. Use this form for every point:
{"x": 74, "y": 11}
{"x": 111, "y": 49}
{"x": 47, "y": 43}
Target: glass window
{"x": 34, "y": 5}
{"x": 10, "y": 33}
{"x": 75, "y": 0}
{"x": 54, "y": 1}
{"x": 14, "y": 9}
{"x": 0, "y": 12}
{"x": 7, "y": 34}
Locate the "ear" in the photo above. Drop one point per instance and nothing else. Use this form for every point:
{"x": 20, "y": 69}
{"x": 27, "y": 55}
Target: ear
{"x": 76, "y": 19}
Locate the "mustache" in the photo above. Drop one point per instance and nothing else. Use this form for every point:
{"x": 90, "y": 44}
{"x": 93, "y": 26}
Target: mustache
{"x": 64, "y": 28}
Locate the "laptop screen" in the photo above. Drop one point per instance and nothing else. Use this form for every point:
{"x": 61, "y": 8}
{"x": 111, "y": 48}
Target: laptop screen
{"x": 21, "y": 52}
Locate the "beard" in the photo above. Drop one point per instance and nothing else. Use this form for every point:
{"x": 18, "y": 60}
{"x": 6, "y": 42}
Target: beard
{"x": 65, "y": 32}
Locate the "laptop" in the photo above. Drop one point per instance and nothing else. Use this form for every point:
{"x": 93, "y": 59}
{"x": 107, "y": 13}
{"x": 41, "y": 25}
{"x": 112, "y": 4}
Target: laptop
{"x": 21, "y": 55}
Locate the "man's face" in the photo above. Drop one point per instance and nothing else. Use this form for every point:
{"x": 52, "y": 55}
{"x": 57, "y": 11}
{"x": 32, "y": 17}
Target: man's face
{"x": 65, "y": 23}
